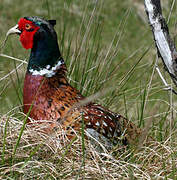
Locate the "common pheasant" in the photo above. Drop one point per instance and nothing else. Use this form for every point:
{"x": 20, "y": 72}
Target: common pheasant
{"x": 47, "y": 95}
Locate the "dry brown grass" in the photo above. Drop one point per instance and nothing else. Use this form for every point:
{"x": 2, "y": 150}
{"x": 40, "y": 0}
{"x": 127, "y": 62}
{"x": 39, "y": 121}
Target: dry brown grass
{"x": 40, "y": 156}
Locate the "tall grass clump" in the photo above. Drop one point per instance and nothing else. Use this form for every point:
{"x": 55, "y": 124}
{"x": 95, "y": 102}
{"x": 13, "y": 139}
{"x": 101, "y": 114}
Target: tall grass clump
{"x": 108, "y": 50}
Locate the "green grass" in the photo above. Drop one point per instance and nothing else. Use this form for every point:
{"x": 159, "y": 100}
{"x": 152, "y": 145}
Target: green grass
{"x": 108, "y": 50}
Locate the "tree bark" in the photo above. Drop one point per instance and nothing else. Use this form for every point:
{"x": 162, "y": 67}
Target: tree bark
{"x": 164, "y": 44}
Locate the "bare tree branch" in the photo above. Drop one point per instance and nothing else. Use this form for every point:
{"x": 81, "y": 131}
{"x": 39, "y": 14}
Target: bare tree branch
{"x": 165, "y": 46}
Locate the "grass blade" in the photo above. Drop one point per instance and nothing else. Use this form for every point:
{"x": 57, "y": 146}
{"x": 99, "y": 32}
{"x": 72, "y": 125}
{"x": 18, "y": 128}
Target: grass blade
{"x": 4, "y": 142}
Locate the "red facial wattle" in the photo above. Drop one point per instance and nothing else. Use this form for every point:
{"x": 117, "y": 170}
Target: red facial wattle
{"x": 27, "y": 35}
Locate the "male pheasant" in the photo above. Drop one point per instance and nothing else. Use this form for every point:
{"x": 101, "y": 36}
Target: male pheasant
{"x": 47, "y": 95}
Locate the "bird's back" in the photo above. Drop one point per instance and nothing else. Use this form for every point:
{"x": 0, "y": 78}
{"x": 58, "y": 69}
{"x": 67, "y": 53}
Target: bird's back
{"x": 53, "y": 101}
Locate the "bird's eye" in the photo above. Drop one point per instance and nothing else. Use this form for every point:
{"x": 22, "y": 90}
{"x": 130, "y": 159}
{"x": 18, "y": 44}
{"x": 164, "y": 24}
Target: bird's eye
{"x": 27, "y": 26}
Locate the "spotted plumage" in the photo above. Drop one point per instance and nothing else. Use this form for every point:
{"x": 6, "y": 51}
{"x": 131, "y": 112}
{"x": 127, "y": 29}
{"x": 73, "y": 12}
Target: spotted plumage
{"x": 48, "y": 96}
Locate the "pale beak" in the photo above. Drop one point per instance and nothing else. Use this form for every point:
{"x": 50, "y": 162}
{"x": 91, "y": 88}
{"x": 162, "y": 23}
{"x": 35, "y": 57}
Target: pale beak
{"x": 13, "y": 30}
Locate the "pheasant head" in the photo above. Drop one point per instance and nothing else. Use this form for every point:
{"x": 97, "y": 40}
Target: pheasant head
{"x": 39, "y": 35}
